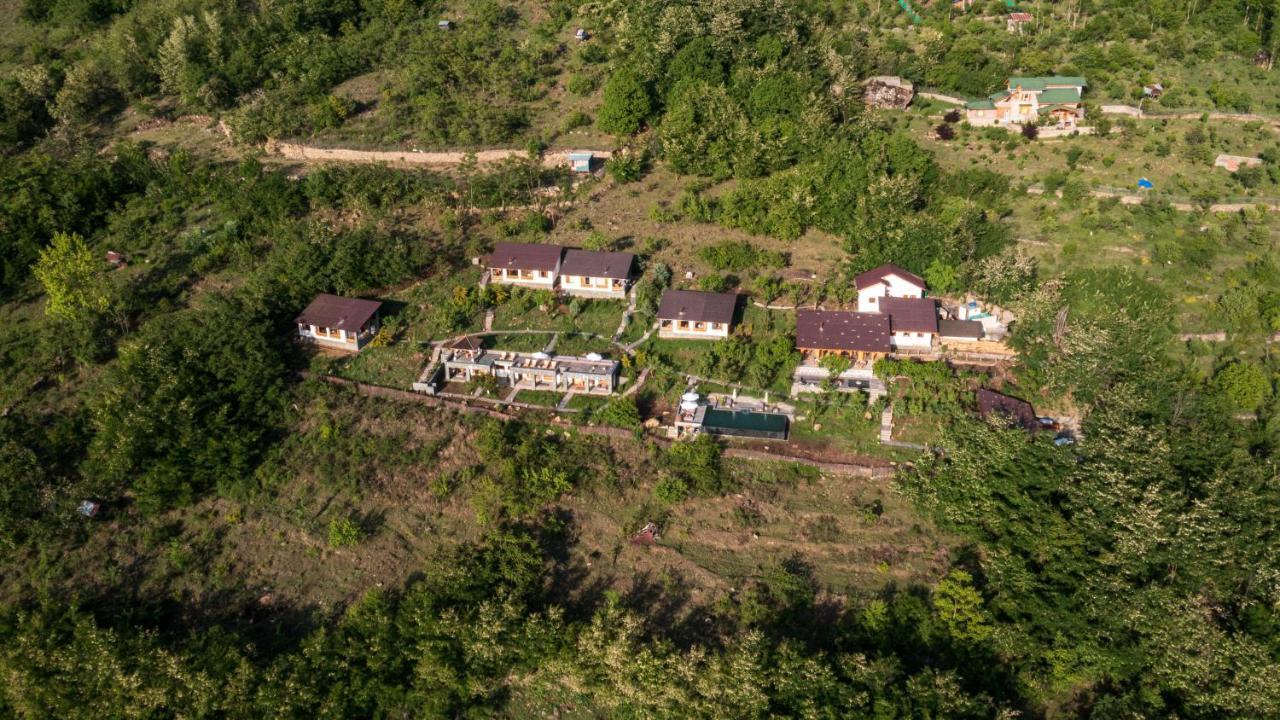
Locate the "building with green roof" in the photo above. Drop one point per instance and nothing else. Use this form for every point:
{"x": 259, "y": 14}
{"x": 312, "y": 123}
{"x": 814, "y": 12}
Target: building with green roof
{"x": 1028, "y": 99}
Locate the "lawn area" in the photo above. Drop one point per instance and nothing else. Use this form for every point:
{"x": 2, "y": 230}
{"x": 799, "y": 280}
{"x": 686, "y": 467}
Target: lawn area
{"x": 587, "y": 405}
{"x": 918, "y": 429}
{"x": 517, "y": 342}
{"x": 842, "y": 422}
{"x": 680, "y": 354}
{"x": 575, "y": 344}
{"x": 544, "y": 398}
{"x": 532, "y": 311}
{"x": 396, "y": 365}
{"x": 424, "y": 303}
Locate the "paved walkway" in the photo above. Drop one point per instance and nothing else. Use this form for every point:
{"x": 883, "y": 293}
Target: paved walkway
{"x": 886, "y": 432}
{"x": 630, "y": 348}
{"x": 639, "y": 383}
{"x": 626, "y": 317}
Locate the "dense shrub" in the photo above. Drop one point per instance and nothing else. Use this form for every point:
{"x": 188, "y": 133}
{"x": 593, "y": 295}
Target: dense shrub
{"x": 741, "y": 255}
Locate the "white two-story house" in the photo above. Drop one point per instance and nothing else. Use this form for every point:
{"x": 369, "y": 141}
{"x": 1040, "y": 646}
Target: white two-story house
{"x": 886, "y": 281}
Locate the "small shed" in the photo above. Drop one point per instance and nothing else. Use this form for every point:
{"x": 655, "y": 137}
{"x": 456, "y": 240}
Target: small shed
{"x": 116, "y": 259}
{"x": 444, "y": 25}
{"x": 1017, "y": 20}
{"x": 1153, "y": 91}
{"x": 581, "y": 162}
{"x": 960, "y": 330}
{"x": 581, "y": 34}
{"x": 88, "y": 508}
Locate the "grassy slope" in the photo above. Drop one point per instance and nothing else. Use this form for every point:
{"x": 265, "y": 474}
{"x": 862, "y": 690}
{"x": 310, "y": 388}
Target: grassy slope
{"x": 252, "y": 561}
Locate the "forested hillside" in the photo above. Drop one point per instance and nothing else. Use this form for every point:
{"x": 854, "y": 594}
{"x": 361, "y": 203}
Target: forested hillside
{"x": 263, "y": 537}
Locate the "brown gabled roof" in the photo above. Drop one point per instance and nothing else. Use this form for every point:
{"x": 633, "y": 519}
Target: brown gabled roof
{"x": 1018, "y": 411}
{"x": 969, "y": 329}
{"x": 339, "y": 313}
{"x": 590, "y": 263}
{"x": 466, "y": 342}
{"x": 697, "y": 306}
{"x": 525, "y": 256}
{"x": 911, "y": 314}
{"x": 871, "y": 277}
{"x": 841, "y": 330}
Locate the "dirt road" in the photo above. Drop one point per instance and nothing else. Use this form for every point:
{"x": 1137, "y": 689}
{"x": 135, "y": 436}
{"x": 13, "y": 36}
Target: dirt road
{"x": 1126, "y": 199}
{"x": 307, "y": 153}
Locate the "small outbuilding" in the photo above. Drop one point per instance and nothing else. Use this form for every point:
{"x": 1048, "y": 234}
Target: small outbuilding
{"x": 960, "y": 330}
{"x": 340, "y": 323}
{"x": 581, "y": 34}
{"x": 1153, "y": 91}
{"x": 444, "y": 25}
{"x": 1017, "y": 20}
{"x": 581, "y": 162}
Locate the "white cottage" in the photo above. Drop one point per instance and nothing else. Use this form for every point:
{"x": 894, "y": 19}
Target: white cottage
{"x": 886, "y": 281}
{"x": 339, "y": 323}
{"x": 696, "y": 315}
{"x": 524, "y": 264}
{"x": 588, "y": 273}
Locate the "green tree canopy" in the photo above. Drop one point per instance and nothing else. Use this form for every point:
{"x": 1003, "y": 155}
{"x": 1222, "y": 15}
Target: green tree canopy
{"x": 626, "y": 104}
